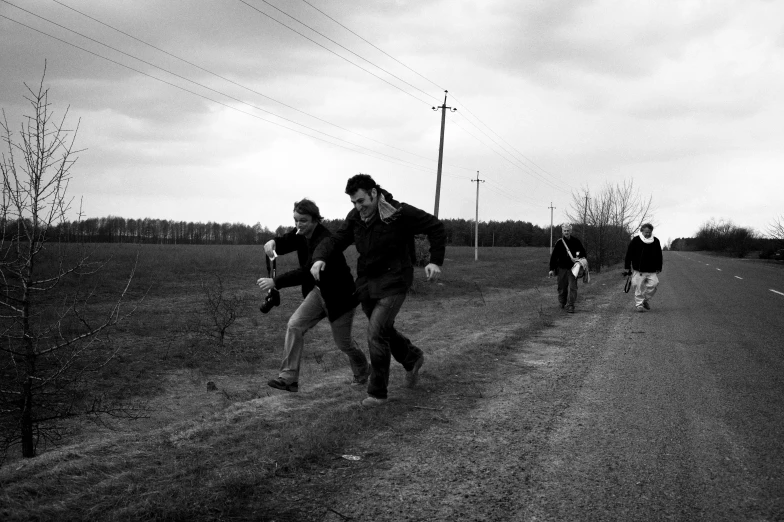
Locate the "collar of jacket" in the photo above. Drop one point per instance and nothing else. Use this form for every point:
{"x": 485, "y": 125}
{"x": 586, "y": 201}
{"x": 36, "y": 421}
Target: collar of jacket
{"x": 388, "y": 211}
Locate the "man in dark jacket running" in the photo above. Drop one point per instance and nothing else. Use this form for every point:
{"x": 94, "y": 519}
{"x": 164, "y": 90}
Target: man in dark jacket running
{"x": 332, "y": 296}
{"x": 644, "y": 255}
{"x": 566, "y": 252}
{"x": 383, "y": 231}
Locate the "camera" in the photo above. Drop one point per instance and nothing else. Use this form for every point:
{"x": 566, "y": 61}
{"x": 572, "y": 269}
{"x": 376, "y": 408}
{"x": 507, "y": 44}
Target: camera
{"x": 270, "y": 301}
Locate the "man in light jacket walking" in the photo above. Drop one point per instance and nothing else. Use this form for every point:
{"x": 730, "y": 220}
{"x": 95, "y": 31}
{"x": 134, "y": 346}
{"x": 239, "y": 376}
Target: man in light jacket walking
{"x": 644, "y": 256}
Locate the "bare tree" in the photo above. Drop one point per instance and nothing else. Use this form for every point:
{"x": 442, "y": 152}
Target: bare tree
{"x": 218, "y": 311}
{"x": 52, "y": 335}
{"x": 776, "y": 228}
{"x": 724, "y": 236}
{"x": 609, "y": 219}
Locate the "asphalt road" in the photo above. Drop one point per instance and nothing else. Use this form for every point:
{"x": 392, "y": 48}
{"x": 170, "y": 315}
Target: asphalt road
{"x": 681, "y": 417}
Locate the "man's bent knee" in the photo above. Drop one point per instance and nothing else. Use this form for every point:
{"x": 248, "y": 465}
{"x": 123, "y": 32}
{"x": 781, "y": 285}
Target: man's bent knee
{"x": 296, "y": 328}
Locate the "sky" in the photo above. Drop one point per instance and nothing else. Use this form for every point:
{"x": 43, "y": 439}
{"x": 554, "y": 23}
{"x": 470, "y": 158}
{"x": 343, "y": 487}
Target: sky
{"x": 199, "y": 110}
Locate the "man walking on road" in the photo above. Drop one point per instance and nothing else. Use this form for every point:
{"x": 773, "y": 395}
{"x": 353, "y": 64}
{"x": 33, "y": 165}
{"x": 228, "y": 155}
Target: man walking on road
{"x": 383, "y": 231}
{"x": 644, "y": 255}
{"x": 331, "y": 297}
{"x": 567, "y": 251}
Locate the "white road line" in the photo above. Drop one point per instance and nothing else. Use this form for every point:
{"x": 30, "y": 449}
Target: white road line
{"x": 719, "y": 269}
{"x": 736, "y": 277}
{"x": 776, "y": 291}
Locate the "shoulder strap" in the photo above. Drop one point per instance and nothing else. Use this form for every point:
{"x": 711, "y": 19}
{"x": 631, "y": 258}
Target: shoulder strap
{"x": 567, "y": 248}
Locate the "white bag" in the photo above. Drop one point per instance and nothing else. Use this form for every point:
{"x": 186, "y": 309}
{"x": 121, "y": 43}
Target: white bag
{"x": 580, "y": 267}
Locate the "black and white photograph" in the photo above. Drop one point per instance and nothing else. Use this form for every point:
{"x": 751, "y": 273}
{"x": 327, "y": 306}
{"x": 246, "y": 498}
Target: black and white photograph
{"x": 318, "y": 260}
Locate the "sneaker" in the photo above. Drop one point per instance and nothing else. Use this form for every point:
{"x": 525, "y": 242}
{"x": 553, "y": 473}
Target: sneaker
{"x": 570, "y": 309}
{"x": 646, "y": 305}
{"x": 280, "y": 384}
{"x": 412, "y": 375}
{"x": 563, "y": 305}
{"x": 372, "y": 402}
{"x": 640, "y": 308}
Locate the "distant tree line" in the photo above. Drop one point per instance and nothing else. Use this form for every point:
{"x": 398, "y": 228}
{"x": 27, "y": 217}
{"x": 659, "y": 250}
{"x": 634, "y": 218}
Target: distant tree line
{"x": 723, "y": 236}
{"x": 115, "y": 229}
{"x": 460, "y": 232}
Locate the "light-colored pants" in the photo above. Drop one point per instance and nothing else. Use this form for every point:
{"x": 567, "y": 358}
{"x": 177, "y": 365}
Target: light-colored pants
{"x": 312, "y": 310}
{"x": 644, "y": 284}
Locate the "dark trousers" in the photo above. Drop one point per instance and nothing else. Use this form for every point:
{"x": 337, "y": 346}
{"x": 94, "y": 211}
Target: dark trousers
{"x": 384, "y": 342}
{"x": 567, "y": 287}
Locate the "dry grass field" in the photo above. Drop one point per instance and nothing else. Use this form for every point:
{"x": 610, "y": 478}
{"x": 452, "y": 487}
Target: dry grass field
{"x": 215, "y": 441}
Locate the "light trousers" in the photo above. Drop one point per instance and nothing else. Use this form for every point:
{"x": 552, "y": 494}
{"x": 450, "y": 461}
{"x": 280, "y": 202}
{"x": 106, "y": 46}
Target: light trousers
{"x": 644, "y": 284}
{"x": 312, "y": 310}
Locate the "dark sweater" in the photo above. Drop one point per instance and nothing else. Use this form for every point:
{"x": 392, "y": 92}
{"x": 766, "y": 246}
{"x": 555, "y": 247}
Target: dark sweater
{"x": 386, "y": 250}
{"x": 560, "y": 258}
{"x": 642, "y": 257}
{"x": 336, "y": 284}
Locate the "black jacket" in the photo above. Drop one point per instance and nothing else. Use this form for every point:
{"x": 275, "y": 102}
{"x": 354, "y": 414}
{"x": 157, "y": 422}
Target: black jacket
{"x": 560, "y": 259}
{"x": 642, "y": 257}
{"x": 386, "y": 250}
{"x": 336, "y": 284}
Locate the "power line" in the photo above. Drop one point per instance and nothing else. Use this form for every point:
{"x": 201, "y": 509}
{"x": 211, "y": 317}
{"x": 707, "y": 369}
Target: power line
{"x": 502, "y": 139}
{"x": 374, "y": 46}
{"x": 333, "y": 52}
{"x": 435, "y": 84}
{"x": 503, "y": 190}
{"x": 522, "y": 165}
{"x": 193, "y": 81}
{"x": 397, "y": 160}
{"x": 238, "y": 84}
{"x": 516, "y": 162}
{"x": 344, "y": 48}
{"x": 511, "y": 194}
{"x": 516, "y": 165}
{"x": 371, "y": 153}
{"x": 210, "y": 88}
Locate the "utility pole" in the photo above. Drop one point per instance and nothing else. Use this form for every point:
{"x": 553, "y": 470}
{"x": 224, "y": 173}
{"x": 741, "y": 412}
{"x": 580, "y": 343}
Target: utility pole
{"x": 551, "y": 207}
{"x": 476, "y": 233}
{"x": 441, "y": 150}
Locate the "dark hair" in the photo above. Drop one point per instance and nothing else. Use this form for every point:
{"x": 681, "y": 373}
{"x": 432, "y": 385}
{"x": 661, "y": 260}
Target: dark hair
{"x": 647, "y": 225}
{"x": 363, "y": 182}
{"x": 306, "y": 206}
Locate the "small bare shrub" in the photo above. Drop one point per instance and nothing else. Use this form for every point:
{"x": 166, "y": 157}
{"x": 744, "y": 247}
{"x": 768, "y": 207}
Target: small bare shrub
{"x": 218, "y": 310}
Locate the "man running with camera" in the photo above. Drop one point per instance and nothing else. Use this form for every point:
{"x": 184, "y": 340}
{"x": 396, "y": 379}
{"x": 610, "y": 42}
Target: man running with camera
{"x": 332, "y": 296}
{"x": 383, "y": 231}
